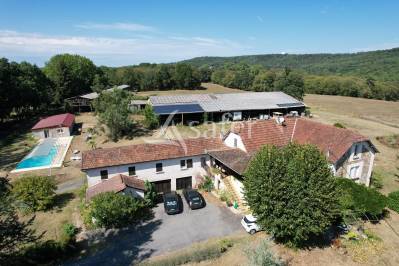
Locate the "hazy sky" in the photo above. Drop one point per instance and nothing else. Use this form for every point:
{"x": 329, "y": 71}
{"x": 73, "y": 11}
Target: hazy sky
{"x": 118, "y": 33}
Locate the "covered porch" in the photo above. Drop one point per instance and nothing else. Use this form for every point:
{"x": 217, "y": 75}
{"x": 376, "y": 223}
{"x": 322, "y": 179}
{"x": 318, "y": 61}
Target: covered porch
{"x": 229, "y": 166}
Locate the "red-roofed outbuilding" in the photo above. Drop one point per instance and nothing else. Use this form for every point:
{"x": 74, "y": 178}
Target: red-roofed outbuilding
{"x": 54, "y": 126}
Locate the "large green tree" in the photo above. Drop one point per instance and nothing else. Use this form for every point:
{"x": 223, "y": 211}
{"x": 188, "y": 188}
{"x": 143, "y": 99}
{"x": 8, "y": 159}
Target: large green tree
{"x": 185, "y": 77}
{"x": 264, "y": 81}
{"x": 24, "y": 89}
{"x": 292, "y": 192}
{"x": 36, "y": 193}
{"x": 291, "y": 83}
{"x": 71, "y": 75}
{"x": 14, "y": 234}
{"x": 112, "y": 107}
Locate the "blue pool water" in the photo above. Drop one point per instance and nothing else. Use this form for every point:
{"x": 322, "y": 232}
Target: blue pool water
{"x": 40, "y": 156}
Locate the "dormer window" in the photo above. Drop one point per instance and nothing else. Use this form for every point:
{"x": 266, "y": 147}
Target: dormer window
{"x": 235, "y": 143}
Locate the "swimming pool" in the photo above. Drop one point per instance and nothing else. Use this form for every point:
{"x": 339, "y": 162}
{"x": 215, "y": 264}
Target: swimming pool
{"x": 49, "y": 153}
{"x": 38, "y": 160}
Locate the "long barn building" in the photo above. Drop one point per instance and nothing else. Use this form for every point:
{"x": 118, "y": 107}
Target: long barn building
{"x": 232, "y": 106}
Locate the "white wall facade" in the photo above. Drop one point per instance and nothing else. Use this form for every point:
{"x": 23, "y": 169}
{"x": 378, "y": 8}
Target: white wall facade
{"x": 147, "y": 171}
{"x": 53, "y": 132}
{"x": 363, "y": 161}
{"x": 232, "y": 139}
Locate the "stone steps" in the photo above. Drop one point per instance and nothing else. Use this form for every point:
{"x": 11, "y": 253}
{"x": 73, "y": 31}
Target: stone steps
{"x": 236, "y": 196}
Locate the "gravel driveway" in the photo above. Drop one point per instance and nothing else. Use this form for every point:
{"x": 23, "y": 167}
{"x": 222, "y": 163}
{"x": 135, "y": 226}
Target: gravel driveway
{"x": 165, "y": 233}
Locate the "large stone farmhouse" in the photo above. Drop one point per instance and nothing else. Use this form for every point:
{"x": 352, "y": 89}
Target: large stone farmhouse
{"x": 175, "y": 165}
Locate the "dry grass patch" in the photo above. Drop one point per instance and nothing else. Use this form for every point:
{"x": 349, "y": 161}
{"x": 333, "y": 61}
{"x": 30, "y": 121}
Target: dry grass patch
{"x": 199, "y": 253}
{"x": 50, "y": 222}
{"x": 364, "y": 250}
{"x": 206, "y": 88}
{"x": 383, "y": 112}
{"x": 391, "y": 141}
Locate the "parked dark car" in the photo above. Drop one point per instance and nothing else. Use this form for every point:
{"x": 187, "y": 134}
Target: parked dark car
{"x": 172, "y": 203}
{"x": 194, "y": 198}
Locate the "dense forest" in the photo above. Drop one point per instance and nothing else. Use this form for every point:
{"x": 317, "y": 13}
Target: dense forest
{"x": 380, "y": 65}
{"x": 26, "y": 89}
{"x": 367, "y": 74}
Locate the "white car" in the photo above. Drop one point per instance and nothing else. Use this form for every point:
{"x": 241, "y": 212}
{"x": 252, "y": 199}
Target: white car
{"x": 249, "y": 223}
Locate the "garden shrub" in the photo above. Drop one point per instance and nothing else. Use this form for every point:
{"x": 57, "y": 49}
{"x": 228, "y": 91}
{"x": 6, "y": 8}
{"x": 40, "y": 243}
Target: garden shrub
{"x": 207, "y": 184}
{"x": 339, "y": 125}
{"x": 35, "y": 192}
{"x": 69, "y": 232}
{"x": 262, "y": 256}
{"x": 225, "y": 244}
{"x": 225, "y": 196}
{"x": 151, "y": 120}
{"x": 150, "y": 195}
{"x": 359, "y": 201}
{"x": 393, "y": 201}
{"x": 113, "y": 210}
{"x": 376, "y": 180}
{"x": 210, "y": 251}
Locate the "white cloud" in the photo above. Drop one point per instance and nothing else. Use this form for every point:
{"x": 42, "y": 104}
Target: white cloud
{"x": 114, "y": 51}
{"x": 115, "y": 26}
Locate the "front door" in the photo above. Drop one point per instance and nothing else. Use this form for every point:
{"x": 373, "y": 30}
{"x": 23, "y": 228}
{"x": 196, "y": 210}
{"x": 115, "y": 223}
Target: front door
{"x": 46, "y": 133}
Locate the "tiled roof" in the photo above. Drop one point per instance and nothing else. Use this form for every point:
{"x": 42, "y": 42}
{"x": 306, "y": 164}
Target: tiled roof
{"x": 149, "y": 152}
{"x": 115, "y": 184}
{"x": 256, "y": 134}
{"x": 329, "y": 139}
{"x": 62, "y": 120}
{"x": 231, "y": 101}
{"x": 236, "y": 159}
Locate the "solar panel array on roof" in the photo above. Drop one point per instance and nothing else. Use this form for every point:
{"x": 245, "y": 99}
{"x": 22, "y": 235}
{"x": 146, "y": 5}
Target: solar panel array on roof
{"x": 230, "y": 101}
{"x": 289, "y": 104}
{"x": 178, "y": 109}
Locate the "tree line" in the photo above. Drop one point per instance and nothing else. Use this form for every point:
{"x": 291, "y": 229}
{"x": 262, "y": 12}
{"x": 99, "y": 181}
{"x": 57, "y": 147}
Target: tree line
{"x": 297, "y": 83}
{"x": 146, "y": 77}
{"x": 26, "y": 89}
{"x": 352, "y": 86}
{"x": 382, "y": 65}
{"x": 256, "y": 78}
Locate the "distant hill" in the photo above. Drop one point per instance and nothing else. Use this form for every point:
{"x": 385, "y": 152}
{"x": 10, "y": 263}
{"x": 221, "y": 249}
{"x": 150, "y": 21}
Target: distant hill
{"x": 381, "y": 65}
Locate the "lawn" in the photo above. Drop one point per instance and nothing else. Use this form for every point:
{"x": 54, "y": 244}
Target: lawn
{"x": 15, "y": 142}
{"x": 50, "y": 222}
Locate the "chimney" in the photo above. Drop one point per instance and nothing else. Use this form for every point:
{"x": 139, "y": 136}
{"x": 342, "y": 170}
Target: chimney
{"x": 279, "y": 118}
